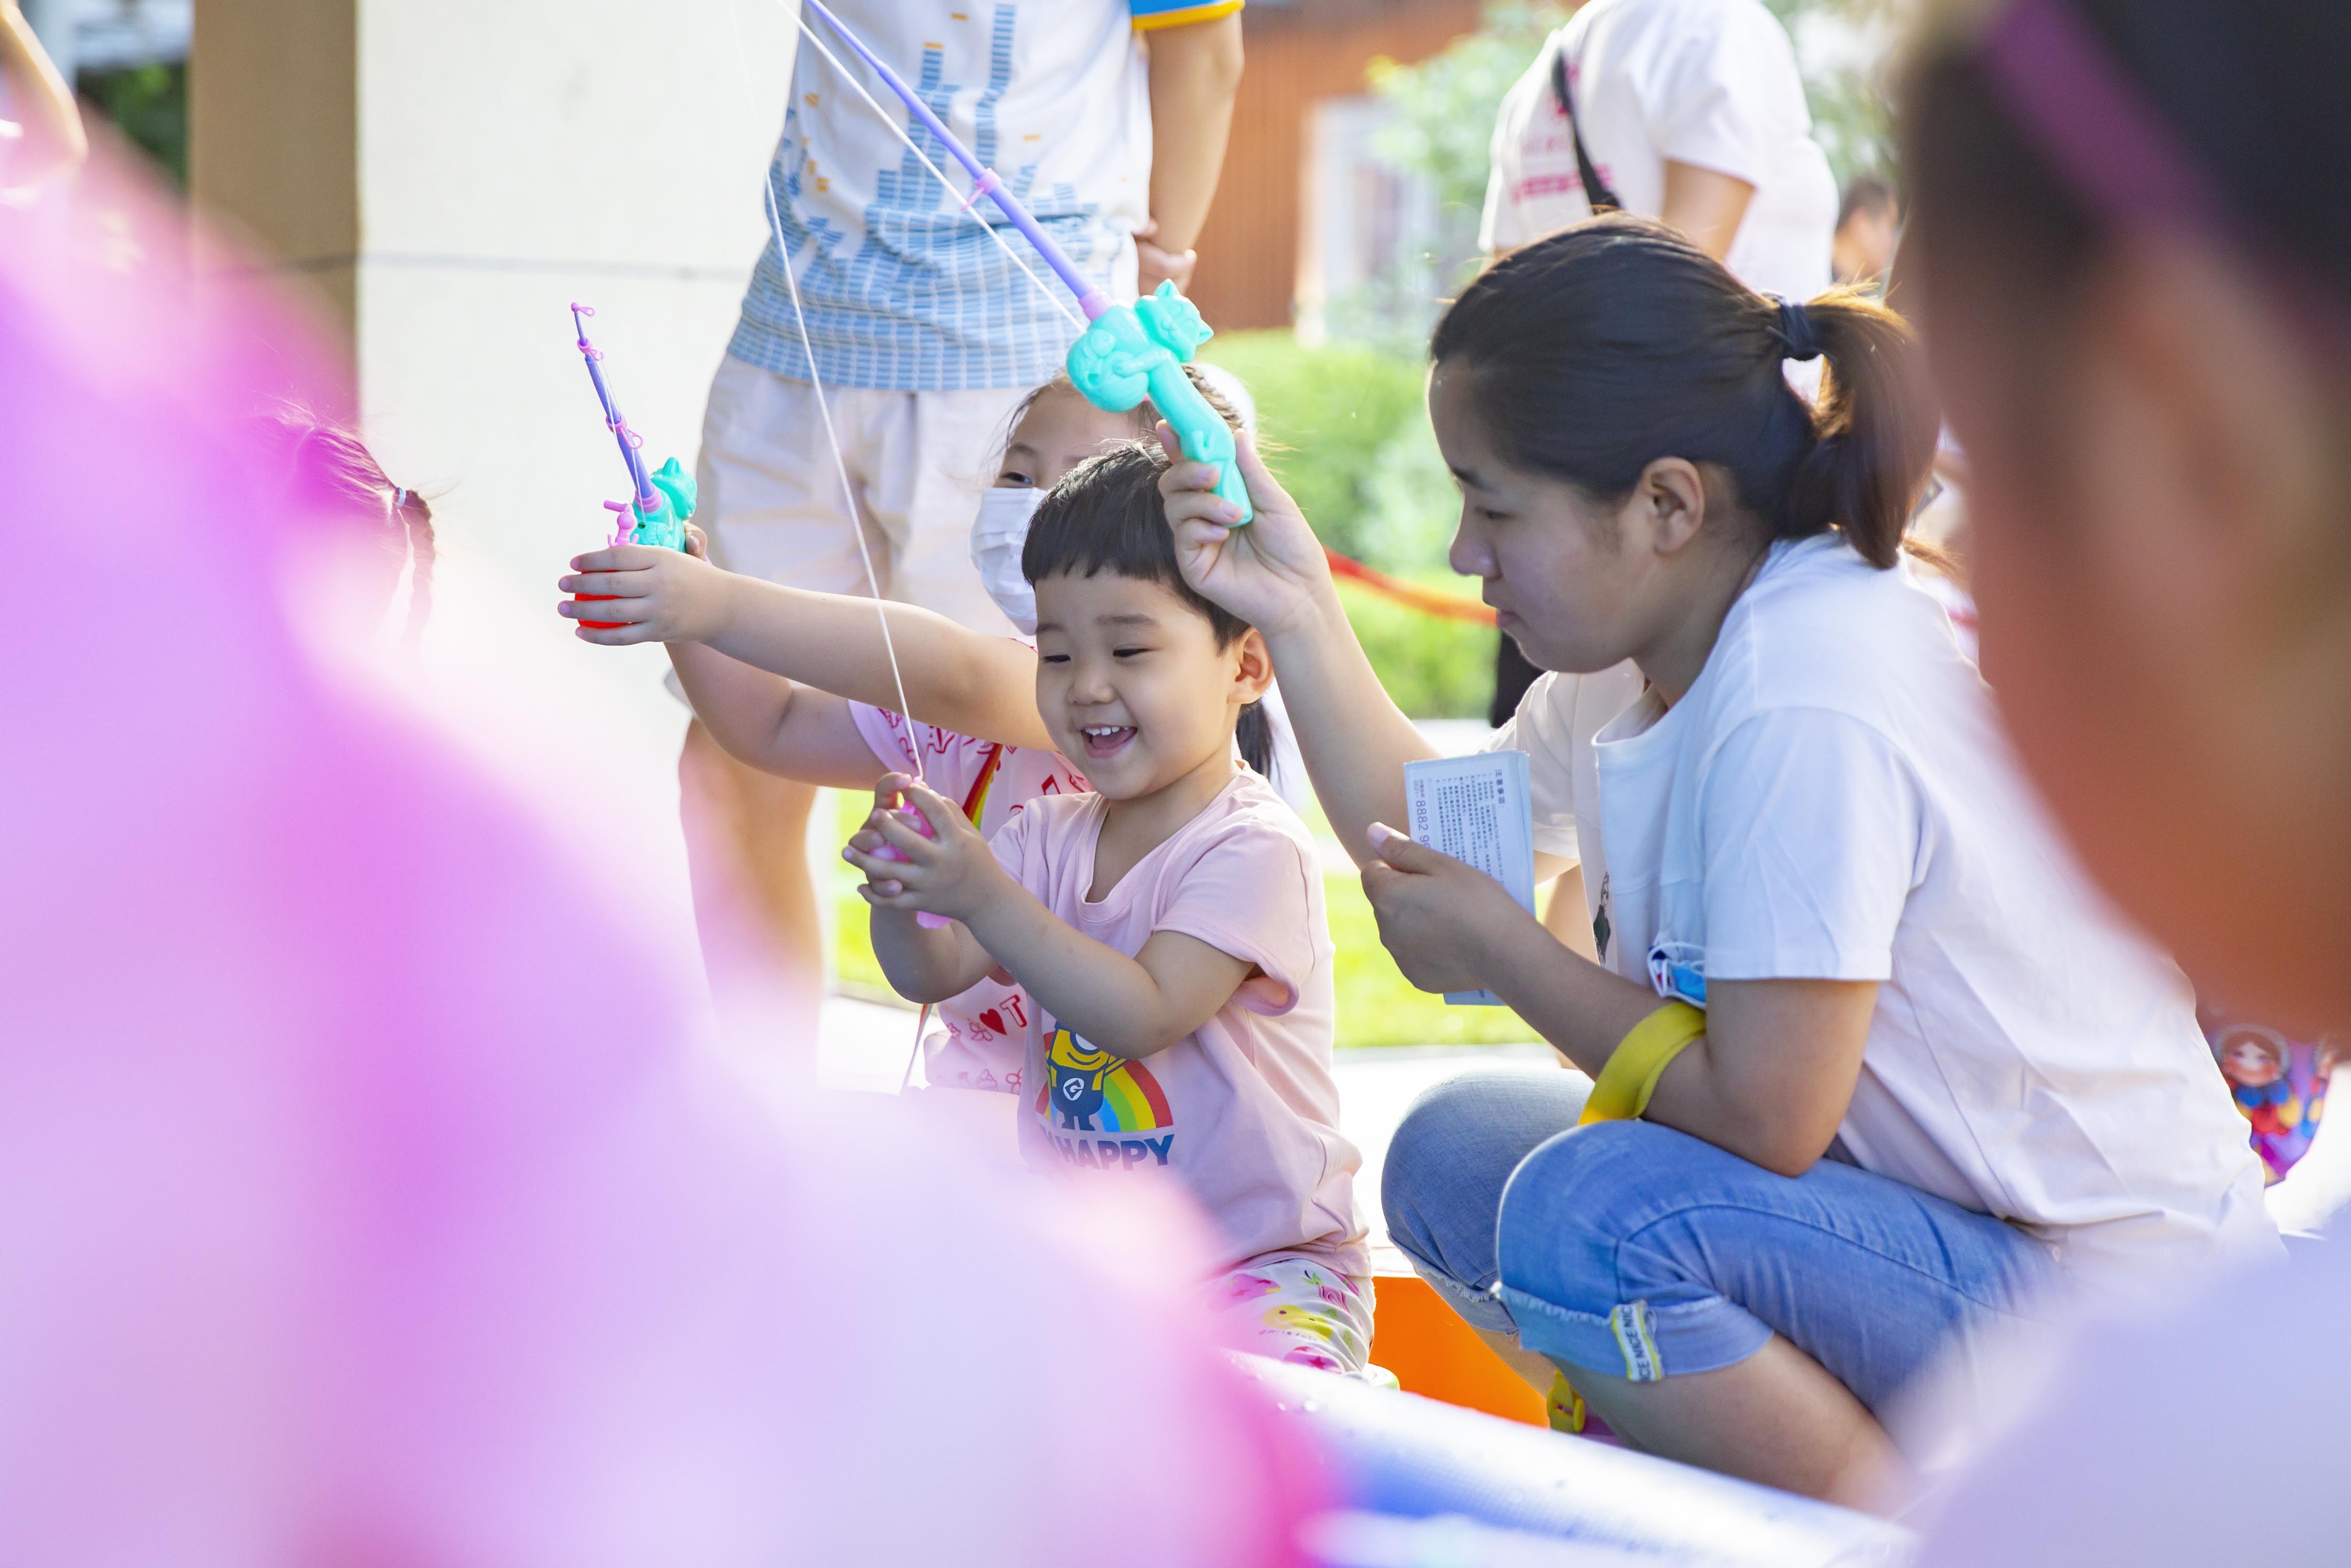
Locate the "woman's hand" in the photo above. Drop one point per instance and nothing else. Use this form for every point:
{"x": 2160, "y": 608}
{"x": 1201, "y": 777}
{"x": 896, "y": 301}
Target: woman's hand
{"x": 1438, "y": 916}
{"x": 954, "y": 874}
{"x": 1271, "y": 573}
{"x": 655, "y": 595}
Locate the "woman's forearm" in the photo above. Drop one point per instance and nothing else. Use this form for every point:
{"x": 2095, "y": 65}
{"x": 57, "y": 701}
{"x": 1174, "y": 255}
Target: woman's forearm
{"x": 1583, "y": 1009}
{"x": 1354, "y": 739}
{"x": 1770, "y": 1080}
{"x": 1586, "y": 1012}
{"x": 955, "y": 678}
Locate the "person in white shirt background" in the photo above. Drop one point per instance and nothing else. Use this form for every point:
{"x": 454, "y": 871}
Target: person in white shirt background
{"x": 1108, "y": 118}
{"x": 1691, "y": 112}
{"x": 1937, "y": 1085}
{"x": 1869, "y": 222}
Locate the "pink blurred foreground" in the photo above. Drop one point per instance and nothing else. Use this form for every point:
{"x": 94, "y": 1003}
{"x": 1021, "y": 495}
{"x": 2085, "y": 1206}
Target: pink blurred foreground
{"x": 365, "y": 1199}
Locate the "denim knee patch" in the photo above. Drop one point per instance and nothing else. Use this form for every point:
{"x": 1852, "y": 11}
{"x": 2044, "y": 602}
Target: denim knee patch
{"x": 1580, "y": 1292}
{"x": 1638, "y": 1252}
{"x": 1441, "y": 1186}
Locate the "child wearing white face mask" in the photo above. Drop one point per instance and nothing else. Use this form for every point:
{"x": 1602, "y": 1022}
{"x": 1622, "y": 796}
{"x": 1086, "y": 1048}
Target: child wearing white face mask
{"x": 800, "y": 685}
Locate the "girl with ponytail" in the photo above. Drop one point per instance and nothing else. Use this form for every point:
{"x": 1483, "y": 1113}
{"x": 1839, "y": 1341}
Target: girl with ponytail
{"x": 330, "y": 472}
{"x": 1869, "y": 1065}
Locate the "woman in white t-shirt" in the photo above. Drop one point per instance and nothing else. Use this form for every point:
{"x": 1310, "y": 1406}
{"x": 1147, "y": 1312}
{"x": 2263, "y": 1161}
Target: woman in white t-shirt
{"x": 1692, "y": 112}
{"x": 1934, "y": 1079}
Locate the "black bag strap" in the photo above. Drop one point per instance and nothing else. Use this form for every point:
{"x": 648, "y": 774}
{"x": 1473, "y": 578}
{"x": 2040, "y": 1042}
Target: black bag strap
{"x": 1596, "y": 191}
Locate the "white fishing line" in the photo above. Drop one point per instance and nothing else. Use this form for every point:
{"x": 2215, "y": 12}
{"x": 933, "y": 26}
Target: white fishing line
{"x": 824, "y": 407}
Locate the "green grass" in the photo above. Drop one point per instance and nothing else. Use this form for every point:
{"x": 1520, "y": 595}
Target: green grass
{"x": 1377, "y": 1006}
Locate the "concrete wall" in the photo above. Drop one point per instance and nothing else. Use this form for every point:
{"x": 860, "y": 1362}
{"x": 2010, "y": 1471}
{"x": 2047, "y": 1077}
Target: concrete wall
{"x": 452, "y": 173}
{"x": 273, "y": 132}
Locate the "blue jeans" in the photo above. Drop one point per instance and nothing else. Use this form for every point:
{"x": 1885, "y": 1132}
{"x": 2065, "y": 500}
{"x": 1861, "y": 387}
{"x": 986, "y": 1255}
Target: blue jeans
{"x": 1642, "y": 1252}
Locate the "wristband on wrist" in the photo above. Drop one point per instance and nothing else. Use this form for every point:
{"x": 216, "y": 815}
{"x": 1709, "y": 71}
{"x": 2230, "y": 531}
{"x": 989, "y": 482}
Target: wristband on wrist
{"x": 1622, "y": 1089}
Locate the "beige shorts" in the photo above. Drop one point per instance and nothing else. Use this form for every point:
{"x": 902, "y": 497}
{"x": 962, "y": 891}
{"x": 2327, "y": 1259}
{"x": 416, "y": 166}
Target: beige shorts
{"x": 772, "y": 503}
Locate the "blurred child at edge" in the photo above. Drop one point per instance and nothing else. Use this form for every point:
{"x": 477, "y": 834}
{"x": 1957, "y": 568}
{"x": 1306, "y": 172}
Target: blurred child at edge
{"x": 330, "y": 473}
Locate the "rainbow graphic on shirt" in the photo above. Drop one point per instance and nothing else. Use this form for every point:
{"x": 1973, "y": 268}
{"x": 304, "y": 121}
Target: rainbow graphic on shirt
{"x": 1094, "y": 1091}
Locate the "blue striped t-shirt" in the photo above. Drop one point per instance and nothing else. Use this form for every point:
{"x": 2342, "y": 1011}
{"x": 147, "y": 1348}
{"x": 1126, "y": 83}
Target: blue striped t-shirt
{"x": 901, "y": 288}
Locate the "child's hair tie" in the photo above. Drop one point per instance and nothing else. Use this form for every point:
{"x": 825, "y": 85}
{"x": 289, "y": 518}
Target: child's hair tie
{"x": 1794, "y": 330}
{"x": 399, "y": 499}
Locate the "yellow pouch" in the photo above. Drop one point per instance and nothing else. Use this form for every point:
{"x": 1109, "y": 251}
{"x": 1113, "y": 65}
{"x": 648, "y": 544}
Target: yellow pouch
{"x": 1623, "y": 1090}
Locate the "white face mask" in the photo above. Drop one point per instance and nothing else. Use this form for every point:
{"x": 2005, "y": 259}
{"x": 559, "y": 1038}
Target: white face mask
{"x": 996, "y": 541}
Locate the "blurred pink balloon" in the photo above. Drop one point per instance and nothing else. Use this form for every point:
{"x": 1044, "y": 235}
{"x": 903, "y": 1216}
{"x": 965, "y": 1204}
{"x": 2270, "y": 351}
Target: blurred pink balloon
{"x": 364, "y": 1198}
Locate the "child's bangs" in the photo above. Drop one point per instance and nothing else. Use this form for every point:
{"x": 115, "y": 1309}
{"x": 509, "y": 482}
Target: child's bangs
{"x": 1106, "y": 515}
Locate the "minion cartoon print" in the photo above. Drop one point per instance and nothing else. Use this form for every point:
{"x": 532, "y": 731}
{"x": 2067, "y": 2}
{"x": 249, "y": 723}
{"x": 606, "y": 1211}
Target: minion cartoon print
{"x": 1088, "y": 1090}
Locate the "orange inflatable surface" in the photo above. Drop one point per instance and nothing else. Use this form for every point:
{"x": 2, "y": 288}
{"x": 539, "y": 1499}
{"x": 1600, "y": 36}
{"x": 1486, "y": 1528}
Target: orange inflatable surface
{"x": 1431, "y": 1351}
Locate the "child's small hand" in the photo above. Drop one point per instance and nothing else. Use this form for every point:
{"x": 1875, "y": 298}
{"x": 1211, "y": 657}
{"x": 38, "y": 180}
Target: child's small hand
{"x": 1273, "y": 572}
{"x": 954, "y": 875}
{"x": 1438, "y": 917}
{"x": 655, "y": 595}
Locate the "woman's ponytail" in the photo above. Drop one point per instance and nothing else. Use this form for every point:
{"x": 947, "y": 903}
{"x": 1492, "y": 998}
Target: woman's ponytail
{"x": 1598, "y": 350}
{"x": 1874, "y": 429}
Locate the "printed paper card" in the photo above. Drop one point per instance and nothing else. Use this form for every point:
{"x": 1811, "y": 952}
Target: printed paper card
{"x": 1478, "y": 810}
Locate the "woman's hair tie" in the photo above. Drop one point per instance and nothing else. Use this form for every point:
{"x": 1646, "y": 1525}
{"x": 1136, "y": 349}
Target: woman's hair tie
{"x": 399, "y": 499}
{"x": 1794, "y": 330}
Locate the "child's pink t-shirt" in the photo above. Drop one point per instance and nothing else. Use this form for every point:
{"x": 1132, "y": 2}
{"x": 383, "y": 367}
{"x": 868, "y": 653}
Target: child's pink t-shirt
{"x": 976, "y": 1039}
{"x": 1244, "y": 1111}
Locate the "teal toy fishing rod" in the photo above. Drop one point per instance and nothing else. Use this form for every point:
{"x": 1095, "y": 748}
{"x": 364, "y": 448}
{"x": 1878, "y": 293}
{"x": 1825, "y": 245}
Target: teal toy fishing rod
{"x": 1129, "y": 351}
{"x": 659, "y": 503}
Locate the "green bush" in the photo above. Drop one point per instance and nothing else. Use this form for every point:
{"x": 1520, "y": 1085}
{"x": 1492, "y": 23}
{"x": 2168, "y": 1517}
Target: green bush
{"x": 148, "y": 104}
{"x": 1326, "y": 414}
{"x": 1433, "y": 668}
{"x": 1352, "y": 443}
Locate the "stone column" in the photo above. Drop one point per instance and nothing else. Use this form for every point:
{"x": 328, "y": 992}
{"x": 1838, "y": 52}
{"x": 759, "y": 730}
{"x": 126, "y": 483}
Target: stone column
{"x": 451, "y": 175}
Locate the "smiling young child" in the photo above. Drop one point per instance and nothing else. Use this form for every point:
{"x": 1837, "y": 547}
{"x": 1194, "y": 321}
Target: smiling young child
{"x": 800, "y": 685}
{"x": 1169, "y": 928}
